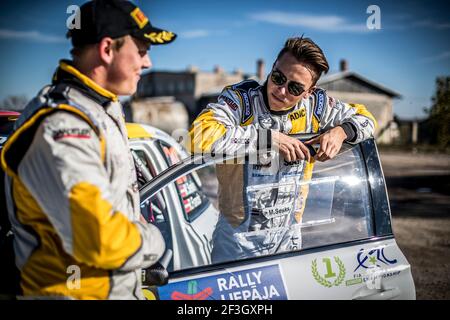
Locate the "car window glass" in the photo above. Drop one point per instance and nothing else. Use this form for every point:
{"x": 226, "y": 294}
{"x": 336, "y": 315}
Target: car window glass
{"x": 338, "y": 207}
{"x": 189, "y": 188}
{"x": 258, "y": 209}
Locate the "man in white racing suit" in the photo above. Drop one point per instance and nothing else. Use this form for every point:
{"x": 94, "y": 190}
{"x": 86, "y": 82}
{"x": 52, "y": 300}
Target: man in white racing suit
{"x": 72, "y": 194}
{"x": 261, "y": 201}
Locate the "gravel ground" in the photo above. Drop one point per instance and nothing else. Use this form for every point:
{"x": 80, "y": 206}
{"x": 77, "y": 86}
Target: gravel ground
{"x": 419, "y": 193}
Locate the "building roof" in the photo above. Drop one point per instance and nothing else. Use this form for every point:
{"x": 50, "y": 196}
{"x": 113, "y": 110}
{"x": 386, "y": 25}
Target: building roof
{"x": 350, "y": 74}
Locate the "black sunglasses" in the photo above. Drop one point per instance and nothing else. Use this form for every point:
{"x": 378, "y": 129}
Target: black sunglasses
{"x": 280, "y": 79}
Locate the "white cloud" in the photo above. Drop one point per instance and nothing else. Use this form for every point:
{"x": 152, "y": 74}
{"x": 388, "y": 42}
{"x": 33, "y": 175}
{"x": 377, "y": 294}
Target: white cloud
{"x": 328, "y": 23}
{"x": 441, "y": 56}
{"x": 198, "y": 33}
{"x": 406, "y": 22}
{"x": 432, "y": 24}
{"x": 202, "y": 33}
{"x": 32, "y": 35}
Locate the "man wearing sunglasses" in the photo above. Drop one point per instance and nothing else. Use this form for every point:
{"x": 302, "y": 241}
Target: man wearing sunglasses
{"x": 262, "y": 204}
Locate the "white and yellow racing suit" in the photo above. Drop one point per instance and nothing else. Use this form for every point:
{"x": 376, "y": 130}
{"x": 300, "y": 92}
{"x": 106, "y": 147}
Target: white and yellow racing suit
{"x": 72, "y": 195}
{"x": 261, "y": 203}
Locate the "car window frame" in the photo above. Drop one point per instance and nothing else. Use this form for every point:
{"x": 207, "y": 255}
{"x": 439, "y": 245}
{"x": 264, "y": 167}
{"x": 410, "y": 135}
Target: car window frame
{"x": 382, "y": 217}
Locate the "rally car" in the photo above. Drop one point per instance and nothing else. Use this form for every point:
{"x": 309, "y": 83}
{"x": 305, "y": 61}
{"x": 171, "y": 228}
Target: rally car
{"x": 348, "y": 246}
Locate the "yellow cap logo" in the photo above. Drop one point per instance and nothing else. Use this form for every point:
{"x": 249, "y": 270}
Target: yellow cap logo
{"x": 139, "y": 17}
{"x": 160, "y": 37}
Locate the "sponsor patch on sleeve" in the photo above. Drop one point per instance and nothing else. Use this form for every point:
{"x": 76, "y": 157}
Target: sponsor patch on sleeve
{"x": 319, "y": 103}
{"x": 247, "y": 112}
{"x": 262, "y": 283}
{"x": 233, "y": 105}
{"x": 242, "y": 90}
{"x": 77, "y": 133}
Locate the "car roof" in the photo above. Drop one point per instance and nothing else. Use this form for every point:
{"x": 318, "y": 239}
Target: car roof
{"x": 138, "y": 131}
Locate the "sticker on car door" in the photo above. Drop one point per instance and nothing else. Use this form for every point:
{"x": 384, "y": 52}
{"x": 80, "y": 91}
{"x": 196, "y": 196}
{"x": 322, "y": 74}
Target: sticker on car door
{"x": 261, "y": 283}
{"x": 370, "y": 266}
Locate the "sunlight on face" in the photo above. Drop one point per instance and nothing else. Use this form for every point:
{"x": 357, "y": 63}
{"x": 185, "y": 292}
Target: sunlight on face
{"x": 278, "y": 95}
{"x": 129, "y": 61}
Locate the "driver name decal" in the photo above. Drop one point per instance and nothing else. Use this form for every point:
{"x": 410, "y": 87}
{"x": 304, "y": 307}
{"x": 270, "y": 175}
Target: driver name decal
{"x": 263, "y": 283}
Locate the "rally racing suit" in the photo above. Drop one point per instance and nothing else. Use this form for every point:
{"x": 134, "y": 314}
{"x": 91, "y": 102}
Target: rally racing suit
{"x": 72, "y": 195}
{"x": 261, "y": 202}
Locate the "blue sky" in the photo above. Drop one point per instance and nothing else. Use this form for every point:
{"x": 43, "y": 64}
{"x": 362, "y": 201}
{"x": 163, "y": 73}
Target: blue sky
{"x": 407, "y": 54}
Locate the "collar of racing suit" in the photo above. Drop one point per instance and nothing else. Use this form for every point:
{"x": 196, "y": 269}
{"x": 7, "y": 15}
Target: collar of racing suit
{"x": 266, "y": 102}
{"x": 68, "y": 74}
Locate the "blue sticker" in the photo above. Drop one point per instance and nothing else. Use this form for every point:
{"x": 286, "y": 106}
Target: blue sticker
{"x": 242, "y": 90}
{"x": 247, "y": 111}
{"x": 373, "y": 257}
{"x": 320, "y": 104}
{"x": 263, "y": 283}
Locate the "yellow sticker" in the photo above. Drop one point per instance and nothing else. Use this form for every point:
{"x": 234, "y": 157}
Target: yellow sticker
{"x": 139, "y": 17}
{"x": 148, "y": 294}
{"x": 298, "y": 120}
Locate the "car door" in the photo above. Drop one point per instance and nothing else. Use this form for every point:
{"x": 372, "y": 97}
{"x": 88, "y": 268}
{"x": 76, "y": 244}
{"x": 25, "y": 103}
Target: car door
{"x": 348, "y": 249}
{"x": 181, "y": 210}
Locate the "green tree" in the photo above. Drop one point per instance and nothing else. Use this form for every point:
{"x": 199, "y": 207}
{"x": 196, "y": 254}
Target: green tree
{"x": 440, "y": 112}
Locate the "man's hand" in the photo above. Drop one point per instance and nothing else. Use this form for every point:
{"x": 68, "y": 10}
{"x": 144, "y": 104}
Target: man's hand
{"x": 330, "y": 143}
{"x": 291, "y": 149}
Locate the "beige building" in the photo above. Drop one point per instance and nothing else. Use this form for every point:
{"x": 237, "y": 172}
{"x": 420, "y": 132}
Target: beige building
{"x": 192, "y": 88}
{"x": 351, "y": 87}
{"x": 164, "y": 113}
{"x": 188, "y": 86}
{"x": 171, "y": 100}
